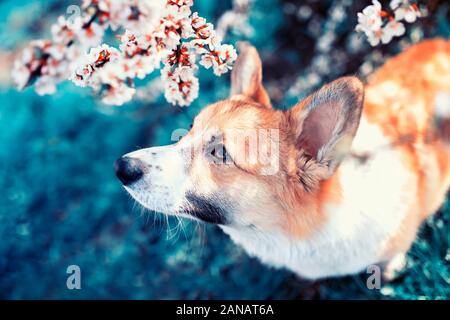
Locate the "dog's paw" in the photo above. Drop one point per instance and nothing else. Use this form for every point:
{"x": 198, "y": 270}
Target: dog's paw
{"x": 394, "y": 267}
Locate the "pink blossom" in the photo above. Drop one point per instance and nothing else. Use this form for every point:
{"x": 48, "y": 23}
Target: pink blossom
{"x": 370, "y": 18}
{"x": 404, "y": 10}
{"x": 380, "y": 26}
{"x": 157, "y": 33}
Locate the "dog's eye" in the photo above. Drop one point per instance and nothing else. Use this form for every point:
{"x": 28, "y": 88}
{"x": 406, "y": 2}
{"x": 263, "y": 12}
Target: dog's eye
{"x": 219, "y": 154}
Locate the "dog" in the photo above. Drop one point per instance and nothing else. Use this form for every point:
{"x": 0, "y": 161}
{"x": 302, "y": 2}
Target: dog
{"x": 347, "y": 177}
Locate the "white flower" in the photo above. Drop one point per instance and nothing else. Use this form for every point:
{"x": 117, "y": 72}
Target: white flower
{"x": 379, "y": 36}
{"x": 380, "y": 26}
{"x": 20, "y": 74}
{"x": 181, "y": 3}
{"x": 177, "y": 12}
{"x": 395, "y": 28}
{"x": 206, "y": 31}
{"x": 82, "y": 75}
{"x": 214, "y": 54}
{"x": 118, "y": 13}
{"x": 132, "y": 44}
{"x": 97, "y": 59}
{"x": 103, "y": 54}
{"x": 375, "y": 37}
{"x": 392, "y": 29}
{"x": 64, "y": 31}
{"x": 118, "y": 95}
{"x": 394, "y": 4}
{"x": 181, "y": 86}
{"x": 111, "y": 74}
{"x": 172, "y": 39}
{"x": 404, "y": 10}
{"x": 185, "y": 73}
{"x": 91, "y": 36}
{"x": 22, "y": 71}
{"x": 220, "y": 60}
{"x": 182, "y": 56}
{"x": 197, "y": 21}
{"x": 46, "y": 85}
{"x": 56, "y": 51}
{"x": 227, "y": 53}
{"x": 236, "y": 20}
{"x": 43, "y": 61}
{"x": 207, "y": 61}
{"x": 140, "y": 66}
{"x": 370, "y": 18}
{"x": 214, "y": 42}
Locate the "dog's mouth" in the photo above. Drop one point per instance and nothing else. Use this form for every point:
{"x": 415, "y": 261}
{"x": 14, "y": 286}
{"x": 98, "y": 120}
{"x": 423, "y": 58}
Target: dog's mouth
{"x": 205, "y": 209}
{"x": 206, "y": 216}
{"x": 194, "y": 207}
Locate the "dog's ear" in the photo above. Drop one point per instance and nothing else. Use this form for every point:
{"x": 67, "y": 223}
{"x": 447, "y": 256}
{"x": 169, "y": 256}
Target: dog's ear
{"x": 324, "y": 125}
{"x": 246, "y": 78}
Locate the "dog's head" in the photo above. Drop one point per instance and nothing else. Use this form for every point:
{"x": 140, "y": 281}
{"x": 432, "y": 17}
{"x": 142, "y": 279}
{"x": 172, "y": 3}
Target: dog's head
{"x": 244, "y": 164}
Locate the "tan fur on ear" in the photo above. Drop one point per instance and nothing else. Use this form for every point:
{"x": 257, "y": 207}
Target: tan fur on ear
{"x": 246, "y": 78}
{"x": 310, "y": 171}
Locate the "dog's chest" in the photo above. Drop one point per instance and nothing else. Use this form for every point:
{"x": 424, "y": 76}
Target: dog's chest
{"x": 352, "y": 239}
{"x": 306, "y": 258}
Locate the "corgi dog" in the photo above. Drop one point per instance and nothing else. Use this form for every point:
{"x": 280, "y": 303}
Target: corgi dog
{"x": 339, "y": 182}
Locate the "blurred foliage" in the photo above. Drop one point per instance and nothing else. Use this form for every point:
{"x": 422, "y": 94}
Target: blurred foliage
{"x": 62, "y": 205}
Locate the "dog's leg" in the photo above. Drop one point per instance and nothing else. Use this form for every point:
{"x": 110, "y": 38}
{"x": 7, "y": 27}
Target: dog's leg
{"x": 393, "y": 267}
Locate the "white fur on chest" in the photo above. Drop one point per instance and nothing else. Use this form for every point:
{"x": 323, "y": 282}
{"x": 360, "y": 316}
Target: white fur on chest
{"x": 376, "y": 197}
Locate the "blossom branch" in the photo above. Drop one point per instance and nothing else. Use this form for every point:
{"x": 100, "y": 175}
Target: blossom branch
{"x": 157, "y": 32}
{"x": 380, "y": 25}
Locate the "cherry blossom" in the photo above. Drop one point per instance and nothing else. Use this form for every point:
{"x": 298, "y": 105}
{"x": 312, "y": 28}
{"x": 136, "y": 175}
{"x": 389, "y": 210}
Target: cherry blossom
{"x": 152, "y": 34}
{"x": 181, "y": 86}
{"x": 395, "y": 28}
{"x": 381, "y": 26}
{"x": 44, "y": 64}
{"x": 404, "y": 10}
{"x": 219, "y": 59}
{"x": 236, "y": 19}
{"x": 370, "y": 18}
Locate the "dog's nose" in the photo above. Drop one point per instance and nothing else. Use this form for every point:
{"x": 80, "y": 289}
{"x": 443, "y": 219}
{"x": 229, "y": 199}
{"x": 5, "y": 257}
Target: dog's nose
{"x": 128, "y": 170}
